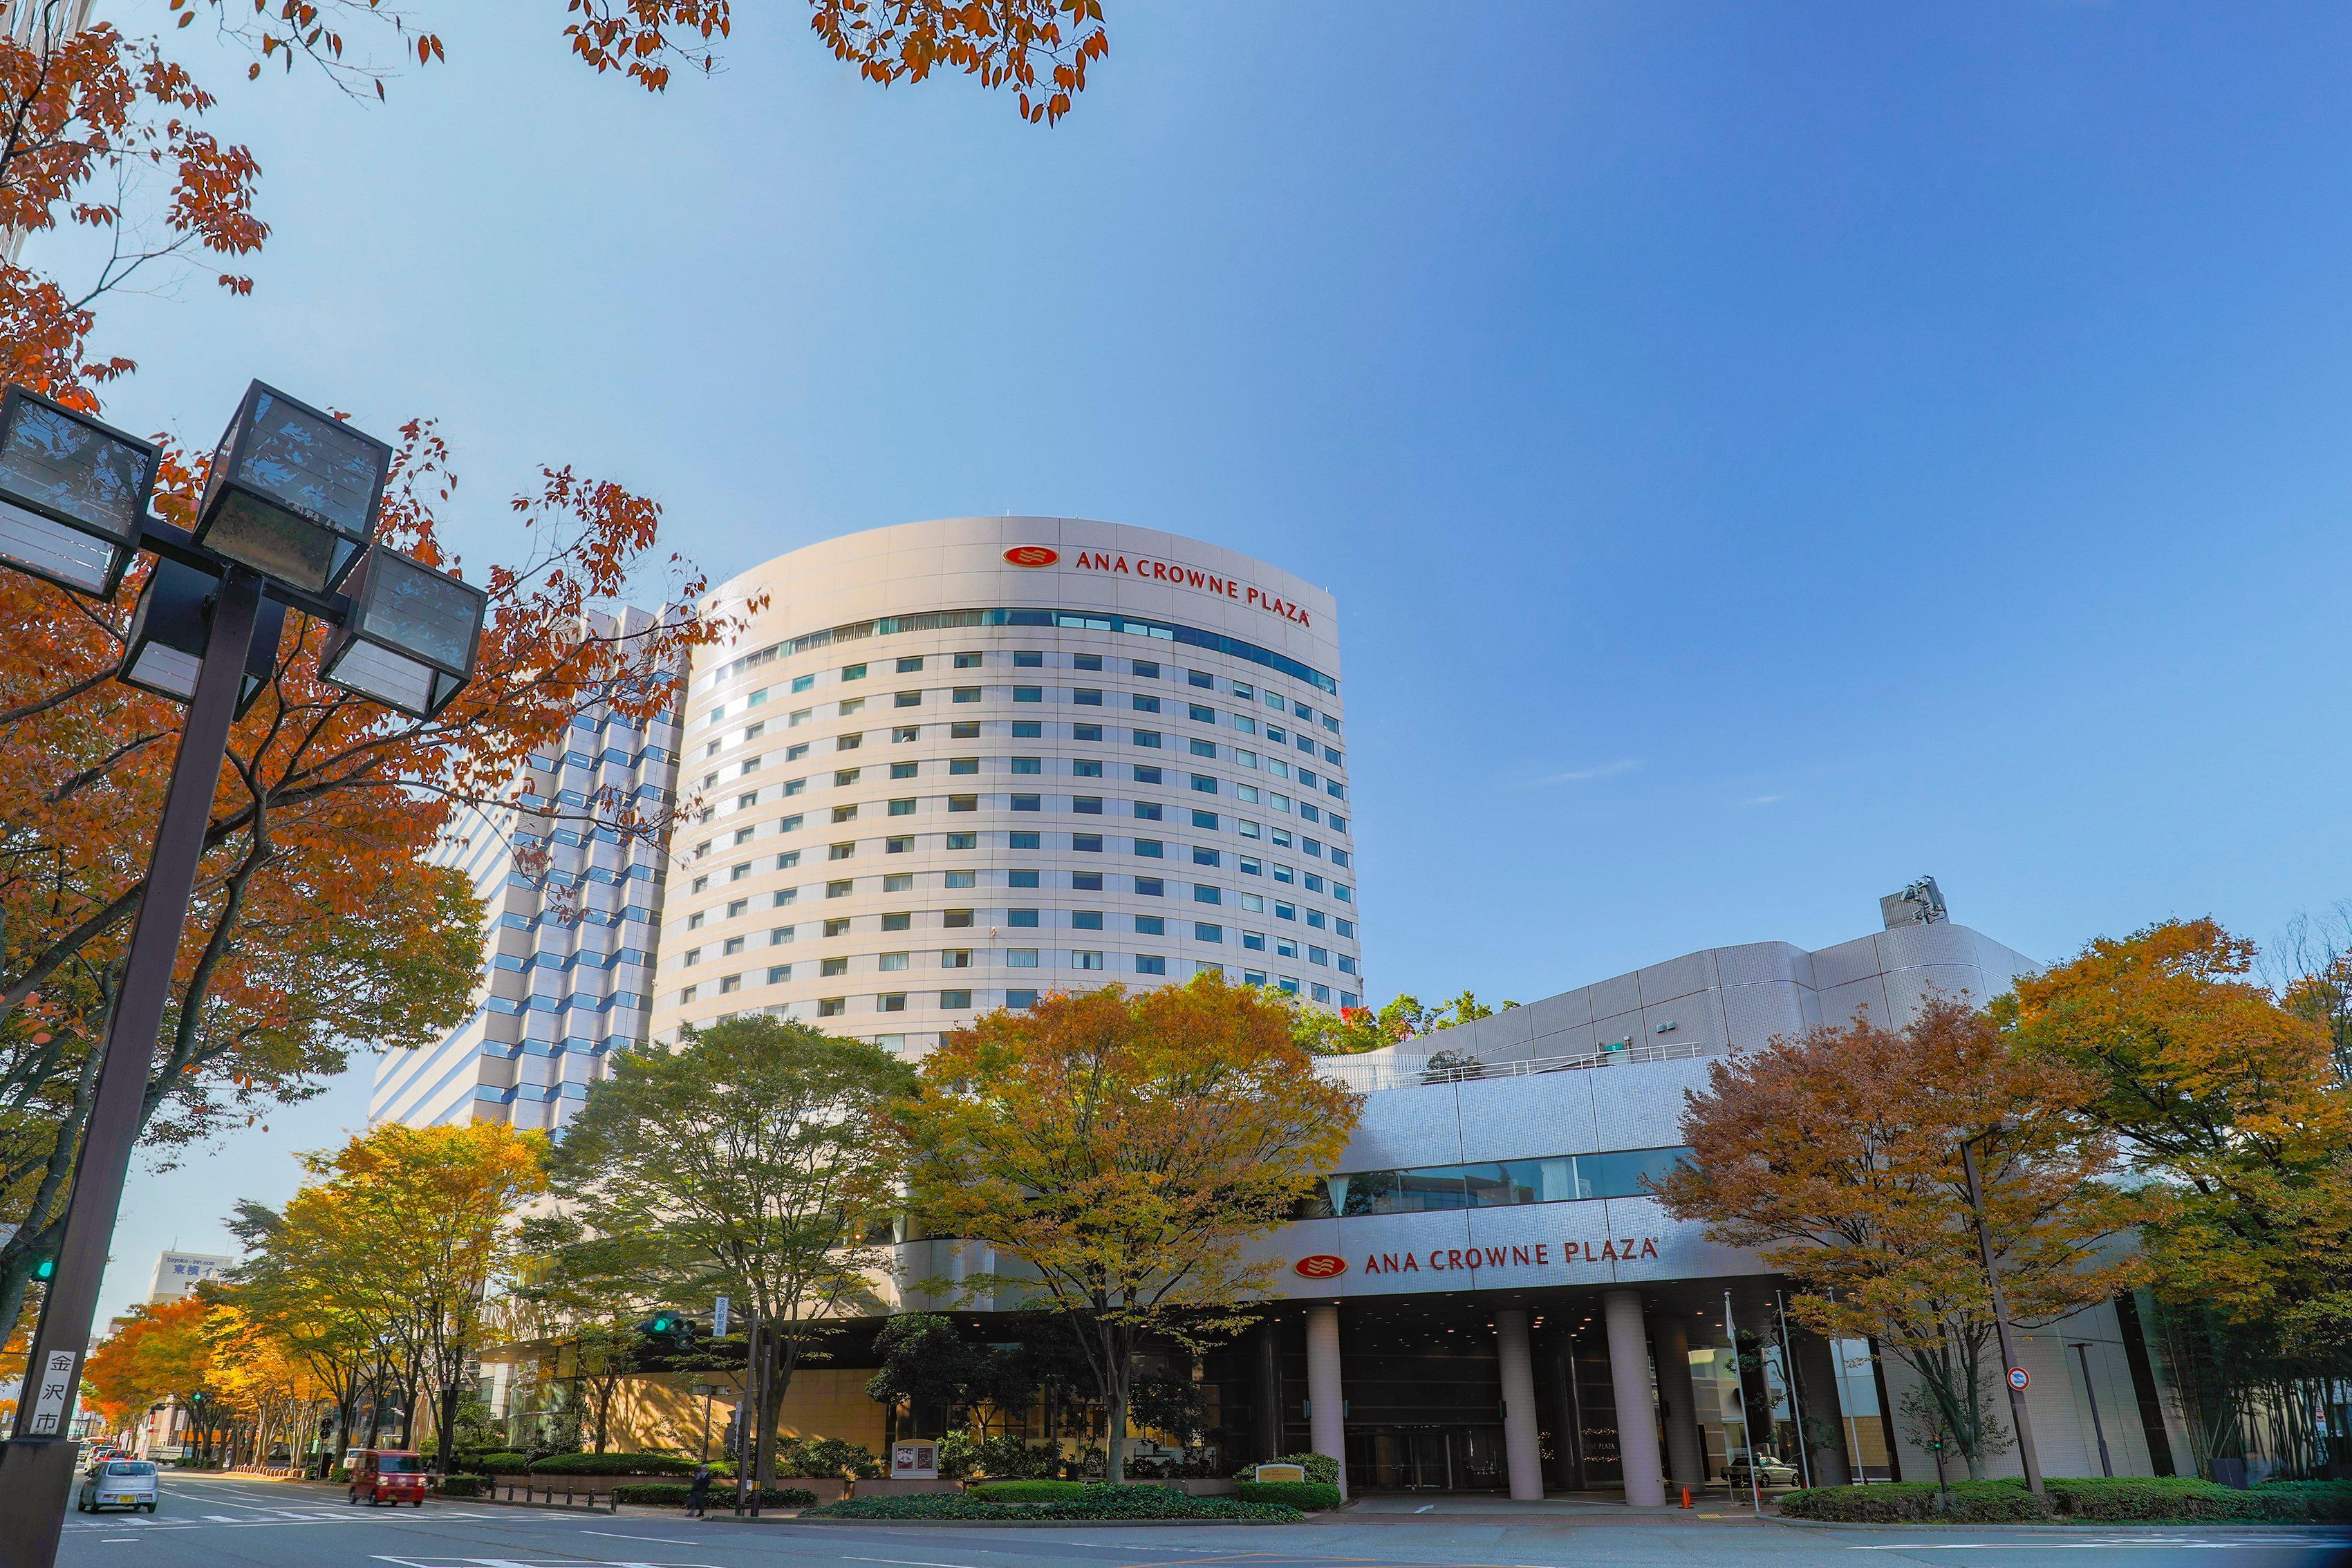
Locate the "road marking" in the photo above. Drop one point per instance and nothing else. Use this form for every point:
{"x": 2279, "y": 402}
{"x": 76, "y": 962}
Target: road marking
{"x": 614, "y": 1535}
{"x": 1425, "y": 1508}
{"x": 2108, "y": 1543}
{"x": 906, "y": 1562}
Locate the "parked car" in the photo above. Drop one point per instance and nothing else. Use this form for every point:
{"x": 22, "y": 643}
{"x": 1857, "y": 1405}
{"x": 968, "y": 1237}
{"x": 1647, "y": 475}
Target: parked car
{"x": 1770, "y": 1470}
{"x": 118, "y": 1483}
{"x": 387, "y": 1475}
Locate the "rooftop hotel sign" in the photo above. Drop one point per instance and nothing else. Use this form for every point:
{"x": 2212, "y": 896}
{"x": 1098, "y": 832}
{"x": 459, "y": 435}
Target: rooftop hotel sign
{"x": 1151, "y": 569}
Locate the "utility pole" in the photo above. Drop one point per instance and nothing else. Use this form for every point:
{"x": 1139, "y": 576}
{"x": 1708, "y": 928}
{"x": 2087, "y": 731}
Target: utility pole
{"x": 2012, "y": 1374}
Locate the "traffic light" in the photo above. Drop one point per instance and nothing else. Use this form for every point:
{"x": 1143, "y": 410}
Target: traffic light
{"x": 668, "y": 1330}
{"x": 44, "y": 1270}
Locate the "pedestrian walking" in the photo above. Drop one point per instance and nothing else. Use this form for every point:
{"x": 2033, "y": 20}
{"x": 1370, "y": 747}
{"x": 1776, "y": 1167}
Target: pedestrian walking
{"x": 697, "y": 1493}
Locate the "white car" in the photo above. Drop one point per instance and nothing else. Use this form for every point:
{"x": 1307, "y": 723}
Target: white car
{"x": 118, "y": 1483}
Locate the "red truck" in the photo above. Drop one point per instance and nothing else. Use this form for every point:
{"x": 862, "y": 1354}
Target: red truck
{"x": 387, "y": 1475}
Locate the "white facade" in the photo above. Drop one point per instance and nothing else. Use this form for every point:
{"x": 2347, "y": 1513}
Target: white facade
{"x": 573, "y": 905}
{"x": 178, "y": 1273}
{"x": 948, "y": 766}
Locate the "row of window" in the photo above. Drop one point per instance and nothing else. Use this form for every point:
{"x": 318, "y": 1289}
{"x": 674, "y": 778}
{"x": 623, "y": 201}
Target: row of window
{"x": 1079, "y": 696}
{"x": 1017, "y": 957}
{"x": 1018, "y": 998}
{"x": 1079, "y": 843}
{"x": 1031, "y": 958}
{"x": 1493, "y": 1183}
{"x": 971, "y": 767}
{"x": 1021, "y": 730}
{"x": 962, "y": 805}
{"x": 1065, "y": 620}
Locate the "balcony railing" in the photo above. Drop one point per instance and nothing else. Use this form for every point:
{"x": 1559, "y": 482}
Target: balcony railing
{"x": 1384, "y": 1071}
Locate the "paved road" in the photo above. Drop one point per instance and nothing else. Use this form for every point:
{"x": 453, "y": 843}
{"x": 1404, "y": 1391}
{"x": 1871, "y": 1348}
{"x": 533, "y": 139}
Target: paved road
{"x": 209, "y": 1521}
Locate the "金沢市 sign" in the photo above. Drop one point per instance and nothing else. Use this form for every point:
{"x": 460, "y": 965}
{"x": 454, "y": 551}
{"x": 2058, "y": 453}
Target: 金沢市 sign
{"x": 1151, "y": 569}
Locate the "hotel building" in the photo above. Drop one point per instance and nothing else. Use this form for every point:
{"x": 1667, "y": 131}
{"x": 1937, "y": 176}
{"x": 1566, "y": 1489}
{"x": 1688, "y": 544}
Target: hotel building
{"x": 947, "y": 766}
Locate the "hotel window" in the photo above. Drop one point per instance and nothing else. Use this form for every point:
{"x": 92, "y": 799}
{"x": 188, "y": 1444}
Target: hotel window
{"x": 1202, "y": 856}
{"x": 1149, "y": 738}
{"x": 963, "y": 802}
{"x": 1284, "y": 873}
{"x": 1253, "y": 976}
{"x": 910, "y": 664}
{"x": 1245, "y": 724}
{"x": 1086, "y": 697}
{"x": 1027, "y": 802}
{"x": 1205, "y": 893}
{"x": 1344, "y": 893}
{"x": 1314, "y": 919}
{"x": 962, "y": 766}
{"x": 956, "y": 919}
{"x": 1085, "y": 881}
{"x": 892, "y": 961}
{"x": 1145, "y": 773}
{"x": 954, "y": 1001}
{"x": 1020, "y": 879}
{"x": 1020, "y": 958}
{"x": 831, "y": 1006}
{"x": 1143, "y": 704}
{"x": 1348, "y": 999}
{"x": 1204, "y": 782}
{"x": 1150, "y": 925}
{"x": 1086, "y": 920}
{"x": 905, "y": 700}
{"x": 903, "y": 770}
{"x": 1321, "y": 956}
{"x": 779, "y": 973}
{"x": 743, "y": 836}
{"x": 1252, "y": 867}
{"x": 1148, "y": 849}
{"x": 1086, "y": 661}
{"x": 1150, "y": 963}
{"x": 1338, "y": 856}
{"x": 1245, "y": 827}
{"x": 794, "y": 754}
{"x": 1289, "y": 984}
{"x": 1018, "y": 917}
{"x": 1203, "y": 748}
{"x": 899, "y": 920}
{"x": 957, "y": 880}
{"x": 828, "y": 968}
{"x": 1314, "y": 882}
{"x": 837, "y": 926}
{"x": 1021, "y": 841}
{"x": 1285, "y": 947}
{"x": 1028, "y": 694}
{"x": 801, "y": 683}
{"x": 793, "y": 787}
{"x": 1347, "y": 964}
{"x": 1028, "y": 729}
{"x": 836, "y": 889}
{"x": 799, "y": 717}
{"x": 1254, "y": 902}
{"x": 847, "y": 742}
{"x": 840, "y": 851}
{"x": 965, "y": 694}
{"x": 1081, "y": 958}
{"x": 893, "y": 1001}
{"x": 853, "y": 672}
{"x": 964, "y": 840}
{"x": 1255, "y": 941}
{"x": 901, "y": 844}
{"x": 1148, "y": 810}
{"x": 1087, "y": 805}
{"x": 746, "y": 802}
{"x": 783, "y": 896}
{"x": 1146, "y": 668}
{"x": 1321, "y": 993}
{"x": 1150, "y": 886}
{"x": 1285, "y": 911}
{"x": 964, "y": 729}
{"x": 740, "y": 872}
{"x": 729, "y": 982}
{"x": 1203, "y": 931}
{"x": 967, "y": 661}
{"x": 687, "y": 994}
{"x": 1018, "y": 996}
{"x": 1273, "y": 700}
{"x": 1087, "y": 768}
{"x": 1201, "y": 679}
{"x": 733, "y": 945}
{"x": 693, "y": 956}
{"x": 850, "y": 705}
{"x": 1087, "y": 843}
{"x": 694, "y": 921}
{"x": 1028, "y": 765}
{"x": 1028, "y": 658}
{"x": 956, "y": 958}
{"x": 1345, "y": 928}
{"x": 904, "y": 733}
{"x": 1244, "y": 692}
{"x": 1200, "y": 713}
{"x": 844, "y": 814}
{"x": 1245, "y": 793}
{"x": 1207, "y": 819}
{"x": 1085, "y": 731}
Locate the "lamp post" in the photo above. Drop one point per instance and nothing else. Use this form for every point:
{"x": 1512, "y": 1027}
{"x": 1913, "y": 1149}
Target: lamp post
{"x": 288, "y": 515}
{"x": 2012, "y": 1375}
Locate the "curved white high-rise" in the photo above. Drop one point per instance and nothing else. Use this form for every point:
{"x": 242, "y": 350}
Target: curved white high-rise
{"x": 947, "y": 766}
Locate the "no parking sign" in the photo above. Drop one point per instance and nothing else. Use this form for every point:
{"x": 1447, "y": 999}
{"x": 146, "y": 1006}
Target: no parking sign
{"x": 2017, "y": 1379}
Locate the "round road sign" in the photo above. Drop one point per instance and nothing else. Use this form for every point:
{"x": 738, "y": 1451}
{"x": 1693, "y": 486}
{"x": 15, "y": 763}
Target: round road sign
{"x": 2017, "y": 1379}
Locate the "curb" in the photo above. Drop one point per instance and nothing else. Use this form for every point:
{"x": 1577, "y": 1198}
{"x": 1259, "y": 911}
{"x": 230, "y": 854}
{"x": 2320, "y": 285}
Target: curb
{"x": 996, "y": 1523}
{"x": 2069, "y": 1526}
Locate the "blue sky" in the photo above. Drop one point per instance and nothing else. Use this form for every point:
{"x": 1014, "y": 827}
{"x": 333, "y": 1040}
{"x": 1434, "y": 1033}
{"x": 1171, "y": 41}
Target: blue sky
{"x": 1761, "y": 454}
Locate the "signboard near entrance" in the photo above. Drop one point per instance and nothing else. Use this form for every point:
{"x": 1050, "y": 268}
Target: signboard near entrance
{"x": 1279, "y": 1473}
{"x": 914, "y": 1461}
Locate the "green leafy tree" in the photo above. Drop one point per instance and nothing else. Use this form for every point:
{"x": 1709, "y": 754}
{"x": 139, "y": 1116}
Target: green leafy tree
{"x": 749, "y": 1162}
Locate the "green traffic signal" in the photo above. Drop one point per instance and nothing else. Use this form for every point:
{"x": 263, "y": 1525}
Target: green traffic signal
{"x": 46, "y": 1268}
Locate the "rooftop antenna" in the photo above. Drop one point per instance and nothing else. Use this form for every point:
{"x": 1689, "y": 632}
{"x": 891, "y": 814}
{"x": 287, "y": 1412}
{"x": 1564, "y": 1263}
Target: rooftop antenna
{"x": 1919, "y": 904}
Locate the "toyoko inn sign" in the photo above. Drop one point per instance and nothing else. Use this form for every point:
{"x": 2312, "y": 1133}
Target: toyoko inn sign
{"x": 1152, "y": 569}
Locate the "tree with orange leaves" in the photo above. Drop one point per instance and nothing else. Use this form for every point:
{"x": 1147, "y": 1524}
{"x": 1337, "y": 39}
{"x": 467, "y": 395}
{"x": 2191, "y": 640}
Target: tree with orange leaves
{"x": 1837, "y": 1153}
{"x": 1124, "y": 1146}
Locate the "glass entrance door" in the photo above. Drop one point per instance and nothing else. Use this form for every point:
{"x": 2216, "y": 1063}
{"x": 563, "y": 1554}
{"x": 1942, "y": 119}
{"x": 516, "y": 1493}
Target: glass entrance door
{"x": 1426, "y": 1459}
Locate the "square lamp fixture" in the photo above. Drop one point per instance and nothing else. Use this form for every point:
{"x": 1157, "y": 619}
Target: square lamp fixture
{"x": 73, "y": 493}
{"x": 172, "y": 622}
{"x": 292, "y": 491}
{"x": 410, "y": 640}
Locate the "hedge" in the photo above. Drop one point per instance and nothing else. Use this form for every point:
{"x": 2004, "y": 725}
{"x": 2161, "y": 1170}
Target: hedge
{"x": 1029, "y": 1491}
{"x": 671, "y": 1494}
{"x": 499, "y": 1464}
{"x": 612, "y": 1465}
{"x": 463, "y": 1486}
{"x": 1309, "y": 1497}
{"x": 2181, "y": 1500}
{"x": 1095, "y": 1501}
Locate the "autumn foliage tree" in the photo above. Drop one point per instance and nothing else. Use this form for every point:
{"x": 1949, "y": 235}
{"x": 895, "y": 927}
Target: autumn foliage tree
{"x": 1836, "y": 1153}
{"x": 1125, "y": 1147}
{"x": 2227, "y": 1094}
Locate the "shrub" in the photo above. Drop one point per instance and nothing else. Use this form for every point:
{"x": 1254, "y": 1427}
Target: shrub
{"x": 672, "y": 1494}
{"x": 827, "y": 1456}
{"x": 503, "y": 1464}
{"x": 2327, "y": 1501}
{"x": 612, "y": 1465}
{"x": 463, "y": 1486}
{"x": 1309, "y": 1497}
{"x": 1029, "y": 1490}
{"x": 1099, "y": 1501}
{"x": 1321, "y": 1469}
{"x": 998, "y": 1457}
{"x": 1918, "y": 1502}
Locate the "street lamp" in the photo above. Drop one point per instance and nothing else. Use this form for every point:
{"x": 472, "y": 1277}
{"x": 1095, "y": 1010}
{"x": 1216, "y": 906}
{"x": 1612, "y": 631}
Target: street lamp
{"x": 287, "y": 514}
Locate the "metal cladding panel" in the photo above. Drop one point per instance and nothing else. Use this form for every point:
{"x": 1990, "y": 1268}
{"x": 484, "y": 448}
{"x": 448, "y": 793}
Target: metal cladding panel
{"x": 1639, "y": 1105}
{"x": 1846, "y": 962}
{"x": 1541, "y": 1243}
{"x": 1554, "y": 1013}
{"x": 1404, "y": 1235}
{"x": 1677, "y": 977}
{"x": 1841, "y": 1005}
{"x": 1756, "y": 1013}
{"x": 1693, "y": 1020}
{"x": 1526, "y": 1118}
{"x": 1761, "y": 961}
{"x": 1682, "y": 1252}
{"x": 1905, "y": 947}
{"x": 1406, "y": 1127}
{"x": 1619, "y": 993}
{"x": 1908, "y": 990}
{"x": 1577, "y": 1040}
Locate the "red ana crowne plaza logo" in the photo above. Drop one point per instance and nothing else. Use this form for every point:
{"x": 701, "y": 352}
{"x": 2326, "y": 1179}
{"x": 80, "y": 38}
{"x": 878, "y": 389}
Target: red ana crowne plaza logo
{"x": 1032, "y": 556}
{"x": 1320, "y": 1266}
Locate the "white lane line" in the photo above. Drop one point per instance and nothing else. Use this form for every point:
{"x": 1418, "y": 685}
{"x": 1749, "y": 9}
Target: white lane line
{"x": 2175, "y": 1544}
{"x": 665, "y": 1540}
{"x": 905, "y": 1562}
